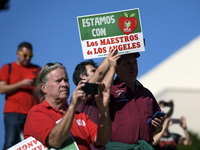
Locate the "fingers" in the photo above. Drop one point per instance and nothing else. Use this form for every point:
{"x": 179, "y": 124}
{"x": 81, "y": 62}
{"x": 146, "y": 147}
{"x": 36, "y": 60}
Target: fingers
{"x": 79, "y": 86}
{"x": 78, "y": 93}
{"x": 114, "y": 53}
{"x": 79, "y": 96}
{"x": 102, "y": 87}
{"x": 160, "y": 103}
{"x": 156, "y": 122}
{"x": 113, "y": 57}
{"x": 27, "y": 82}
{"x": 102, "y": 99}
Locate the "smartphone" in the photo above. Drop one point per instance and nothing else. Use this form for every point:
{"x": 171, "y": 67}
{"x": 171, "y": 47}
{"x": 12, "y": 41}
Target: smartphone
{"x": 178, "y": 121}
{"x": 158, "y": 114}
{"x": 91, "y": 88}
{"x": 166, "y": 104}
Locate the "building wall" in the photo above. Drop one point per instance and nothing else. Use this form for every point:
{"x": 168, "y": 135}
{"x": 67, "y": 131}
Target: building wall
{"x": 178, "y": 78}
{"x": 187, "y": 104}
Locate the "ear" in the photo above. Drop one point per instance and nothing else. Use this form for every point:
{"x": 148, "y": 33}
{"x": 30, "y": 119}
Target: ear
{"x": 83, "y": 77}
{"x": 17, "y": 54}
{"x": 43, "y": 88}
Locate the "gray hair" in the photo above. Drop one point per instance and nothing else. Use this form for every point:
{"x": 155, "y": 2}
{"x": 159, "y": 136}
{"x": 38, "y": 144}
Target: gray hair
{"x": 43, "y": 78}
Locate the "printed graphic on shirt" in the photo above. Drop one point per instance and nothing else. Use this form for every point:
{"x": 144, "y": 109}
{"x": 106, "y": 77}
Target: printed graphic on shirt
{"x": 167, "y": 143}
{"x": 121, "y": 96}
{"x": 80, "y": 122}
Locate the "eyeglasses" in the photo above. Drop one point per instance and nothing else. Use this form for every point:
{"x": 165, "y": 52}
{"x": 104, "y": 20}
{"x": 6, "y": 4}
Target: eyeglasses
{"x": 51, "y": 64}
{"x": 25, "y": 55}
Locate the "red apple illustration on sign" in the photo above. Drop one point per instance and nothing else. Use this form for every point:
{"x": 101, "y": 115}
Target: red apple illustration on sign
{"x": 128, "y": 23}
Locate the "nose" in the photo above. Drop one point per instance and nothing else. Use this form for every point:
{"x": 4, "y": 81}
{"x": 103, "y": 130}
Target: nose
{"x": 133, "y": 65}
{"x": 28, "y": 57}
{"x": 64, "y": 83}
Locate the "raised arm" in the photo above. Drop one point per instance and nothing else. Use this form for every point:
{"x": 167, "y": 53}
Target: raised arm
{"x": 112, "y": 59}
{"x": 61, "y": 131}
{"x": 187, "y": 139}
{"x": 100, "y": 72}
{"x": 104, "y": 125}
{"x": 157, "y": 137}
{"x": 104, "y": 66}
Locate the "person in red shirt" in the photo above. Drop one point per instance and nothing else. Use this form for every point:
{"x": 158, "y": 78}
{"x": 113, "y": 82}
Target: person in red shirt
{"x": 17, "y": 83}
{"x": 52, "y": 87}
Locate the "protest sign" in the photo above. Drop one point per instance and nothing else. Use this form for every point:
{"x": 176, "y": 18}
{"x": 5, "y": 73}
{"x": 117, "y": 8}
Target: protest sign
{"x": 33, "y": 144}
{"x": 115, "y": 30}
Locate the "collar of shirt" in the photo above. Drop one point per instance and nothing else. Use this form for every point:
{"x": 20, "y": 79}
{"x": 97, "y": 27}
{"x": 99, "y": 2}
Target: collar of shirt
{"x": 119, "y": 83}
{"x": 46, "y": 104}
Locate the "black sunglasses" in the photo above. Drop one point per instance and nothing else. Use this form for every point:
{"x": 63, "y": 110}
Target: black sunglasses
{"x": 51, "y": 64}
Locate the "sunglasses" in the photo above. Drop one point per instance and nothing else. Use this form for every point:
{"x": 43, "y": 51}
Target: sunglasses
{"x": 51, "y": 64}
{"x": 25, "y": 55}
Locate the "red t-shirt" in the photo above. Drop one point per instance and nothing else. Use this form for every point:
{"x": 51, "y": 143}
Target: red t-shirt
{"x": 22, "y": 100}
{"x": 131, "y": 112}
{"x": 42, "y": 118}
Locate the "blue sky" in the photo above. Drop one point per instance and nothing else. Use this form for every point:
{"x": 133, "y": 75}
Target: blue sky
{"x": 51, "y": 27}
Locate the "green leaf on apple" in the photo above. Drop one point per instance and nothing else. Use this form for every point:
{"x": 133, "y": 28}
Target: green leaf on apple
{"x": 132, "y": 15}
{"x": 126, "y": 15}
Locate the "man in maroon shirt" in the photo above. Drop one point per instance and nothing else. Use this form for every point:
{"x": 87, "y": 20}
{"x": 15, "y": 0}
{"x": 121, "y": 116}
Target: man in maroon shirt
{"x": 131, "y": 106}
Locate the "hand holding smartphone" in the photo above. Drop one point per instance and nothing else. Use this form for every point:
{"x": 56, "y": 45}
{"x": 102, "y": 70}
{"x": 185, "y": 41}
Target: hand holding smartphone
{"x": 175, "y": 121}
{"x": 158, "y": 114}
{"x": 91, "y": 88}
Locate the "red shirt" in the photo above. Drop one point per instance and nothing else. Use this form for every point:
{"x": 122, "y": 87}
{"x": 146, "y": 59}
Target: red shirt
{"x": 42, "y": 118}
{"x": 131, "y": 112}
{"x": 22, "y": 100}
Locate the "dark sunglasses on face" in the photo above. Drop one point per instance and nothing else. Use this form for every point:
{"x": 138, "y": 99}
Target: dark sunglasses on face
{"x": 25, "y": 55}
{"x": 51, "y": 64}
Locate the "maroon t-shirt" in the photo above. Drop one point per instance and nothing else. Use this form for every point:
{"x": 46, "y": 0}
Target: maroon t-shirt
{"x": 89, "y": 107}
{"x": 130, "y": 113}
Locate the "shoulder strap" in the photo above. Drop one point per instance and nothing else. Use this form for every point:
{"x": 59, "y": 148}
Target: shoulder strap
{"x": 38, "y": 68}
{"x": 9, "y": 70}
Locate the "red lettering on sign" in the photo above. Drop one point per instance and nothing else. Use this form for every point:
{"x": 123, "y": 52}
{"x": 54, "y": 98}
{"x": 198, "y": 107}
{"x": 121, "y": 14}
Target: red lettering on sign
{"x": 120, "y": 39}
{"x": 24, "y": 147}
{"x": 95, "y": 43}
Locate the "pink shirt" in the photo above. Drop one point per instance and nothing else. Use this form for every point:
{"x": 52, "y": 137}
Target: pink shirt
{"x": 130, "y": 113}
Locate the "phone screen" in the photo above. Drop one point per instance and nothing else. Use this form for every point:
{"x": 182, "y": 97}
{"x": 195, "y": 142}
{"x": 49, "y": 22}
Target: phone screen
{"x": 166, "y": 104}
{"x": 91, "y": 88}
{"x": 158, "y": 114}
{"x": 178, "y": 121}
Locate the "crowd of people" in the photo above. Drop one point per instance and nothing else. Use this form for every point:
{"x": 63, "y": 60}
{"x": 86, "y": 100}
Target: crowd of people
{"x": 114, "y": 118}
